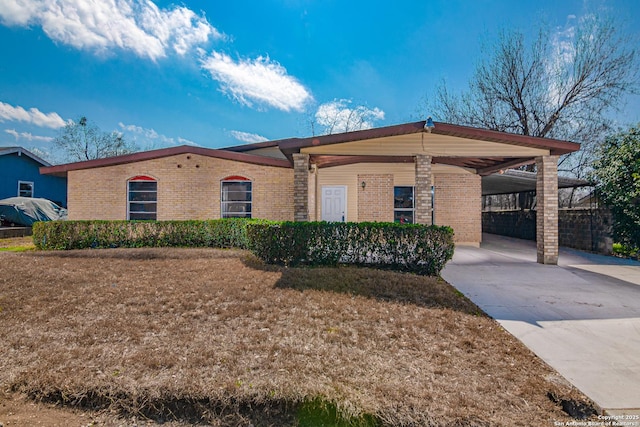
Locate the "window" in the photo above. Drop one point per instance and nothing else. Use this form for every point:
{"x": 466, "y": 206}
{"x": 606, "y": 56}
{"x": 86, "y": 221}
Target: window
{"x": 142, "y": 198}
{"x": 235, "y": 200}
{"x": 25, "y": 189}
{"x": 403, "y": 205}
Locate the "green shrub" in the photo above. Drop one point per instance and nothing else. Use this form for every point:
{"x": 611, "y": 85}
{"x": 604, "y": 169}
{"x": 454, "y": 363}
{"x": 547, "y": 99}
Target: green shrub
{"x": 413, "y": 248}
{"x": 625, "y": 251}
{"x": 220, "y": 233}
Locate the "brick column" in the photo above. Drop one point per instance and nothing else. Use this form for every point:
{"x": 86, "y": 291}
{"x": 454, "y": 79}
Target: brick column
{"x": 547, "y": 209}
{"x": 301, "y": 187}
{"x": 423, "y": 190}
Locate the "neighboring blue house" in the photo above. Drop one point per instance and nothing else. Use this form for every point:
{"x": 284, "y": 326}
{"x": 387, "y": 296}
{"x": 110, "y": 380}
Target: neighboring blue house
{"x": 20, "y": 176}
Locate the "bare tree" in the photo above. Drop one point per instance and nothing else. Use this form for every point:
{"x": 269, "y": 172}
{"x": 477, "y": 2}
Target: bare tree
{"x": 340, "y": 115}
{"x": 82, "y": 140}
{"x": 563, "y": 85}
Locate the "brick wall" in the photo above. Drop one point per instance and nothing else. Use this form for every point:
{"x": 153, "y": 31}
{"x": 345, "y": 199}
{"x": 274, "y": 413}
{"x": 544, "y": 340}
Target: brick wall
{"x": 458, "y": 204}
{"x": 188, "y": 188}
{"x": 585, "y": 229}
{"x": 516, "y": 223}
{"x": 375, "y": 201}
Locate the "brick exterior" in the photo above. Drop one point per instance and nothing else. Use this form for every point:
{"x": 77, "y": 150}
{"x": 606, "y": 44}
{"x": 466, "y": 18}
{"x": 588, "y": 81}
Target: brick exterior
{"x": 301, "y": 187}
{"x": 375, "y": 201}
{"x": 423, "y": 189}
{"x": 547, "y": 209}
{"x": 458, "y": 204}
{"x": 188, "y": 188}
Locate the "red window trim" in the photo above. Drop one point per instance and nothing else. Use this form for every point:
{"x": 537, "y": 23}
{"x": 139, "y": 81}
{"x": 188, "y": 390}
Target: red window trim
{"x": 142, "y": 178}
{"x": 235, "y": 178}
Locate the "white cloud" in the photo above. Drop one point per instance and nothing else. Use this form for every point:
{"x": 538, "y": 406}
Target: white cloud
{"x": 32, "y": 116}
{"x": 562, "y": 42}
{"x": 141, "y": 27}
{"x": 153, "y": 139}
{"x": 247, "y": 137}
{"x": 184, "y": 141}
{"x": 338, "y": 116}
{"x": 260, "y": 81}
{"x": 134, "y": 25}
{"x": 28, "y": 136}
{"x": 559, "y": 62}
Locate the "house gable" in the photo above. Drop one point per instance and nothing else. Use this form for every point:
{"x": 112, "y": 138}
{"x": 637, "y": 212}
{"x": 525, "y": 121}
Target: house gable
{"x": 17, "y": 166}
{"x": 62, "y": 170}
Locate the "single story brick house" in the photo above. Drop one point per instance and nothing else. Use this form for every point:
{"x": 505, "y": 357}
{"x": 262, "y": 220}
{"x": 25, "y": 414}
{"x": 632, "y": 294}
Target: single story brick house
{"x": 414, "y": 172}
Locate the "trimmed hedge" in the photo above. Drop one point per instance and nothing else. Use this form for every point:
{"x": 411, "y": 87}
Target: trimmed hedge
{"x": 413, "y": 248}
{"x": 219, "y": 233}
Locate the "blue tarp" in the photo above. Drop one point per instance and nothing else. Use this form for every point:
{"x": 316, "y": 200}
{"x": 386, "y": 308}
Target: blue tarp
{"x": 25, "y": 211}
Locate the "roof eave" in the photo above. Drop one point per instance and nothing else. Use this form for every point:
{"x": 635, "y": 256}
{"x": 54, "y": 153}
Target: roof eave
{"x": 555, "y": 146}
{"x": 20, "y": 151}
{"x": 257, "y": 145}
{"x": 61, "y": 170}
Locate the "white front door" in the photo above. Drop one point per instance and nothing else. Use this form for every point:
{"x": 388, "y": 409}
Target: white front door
{"x": 334, "y": 204}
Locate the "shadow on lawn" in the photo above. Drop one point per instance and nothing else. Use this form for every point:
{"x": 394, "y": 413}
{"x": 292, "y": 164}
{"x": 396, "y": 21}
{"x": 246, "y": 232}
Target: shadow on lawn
{"x": 161, "y": 253}
{"x": 381, "y": 285}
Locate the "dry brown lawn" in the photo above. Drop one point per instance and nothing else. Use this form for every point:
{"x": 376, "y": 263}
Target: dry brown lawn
{"x": 216, "y": 337}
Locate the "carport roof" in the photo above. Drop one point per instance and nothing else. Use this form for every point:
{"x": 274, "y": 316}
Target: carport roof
{"x": 485, "y": 151}
{"x": 516, "y": 181}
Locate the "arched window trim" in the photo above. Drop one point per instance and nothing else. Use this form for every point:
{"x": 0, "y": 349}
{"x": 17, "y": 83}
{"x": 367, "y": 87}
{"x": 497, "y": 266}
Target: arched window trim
{"x": 235, "y": 178}
{"x": 142, "y": 178}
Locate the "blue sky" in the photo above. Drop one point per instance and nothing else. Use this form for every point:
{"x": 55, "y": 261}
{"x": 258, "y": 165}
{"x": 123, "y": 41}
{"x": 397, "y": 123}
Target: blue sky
{"x": 219, "y": 73}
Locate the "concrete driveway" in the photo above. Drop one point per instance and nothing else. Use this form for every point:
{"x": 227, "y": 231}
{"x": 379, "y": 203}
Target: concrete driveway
{"x": 582, "y": 316}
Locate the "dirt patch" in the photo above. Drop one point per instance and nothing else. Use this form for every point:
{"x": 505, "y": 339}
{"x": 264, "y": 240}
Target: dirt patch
{"x": 214, "y": 336}
{"x": 18, "y": 411}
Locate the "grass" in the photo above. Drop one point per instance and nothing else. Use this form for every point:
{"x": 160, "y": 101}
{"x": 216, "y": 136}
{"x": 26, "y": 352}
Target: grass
{"x": 626, "y": 251}
{"x": 215, "y": 336}
{"x": 17, "y": 244}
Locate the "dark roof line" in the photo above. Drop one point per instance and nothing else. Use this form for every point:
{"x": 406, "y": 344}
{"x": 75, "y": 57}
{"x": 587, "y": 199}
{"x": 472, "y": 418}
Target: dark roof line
{"x": 254, "y": 145}
{"x": 293, "y": 145}
{"x": 555, "y": 146}
{"x": 164, "y": 152}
